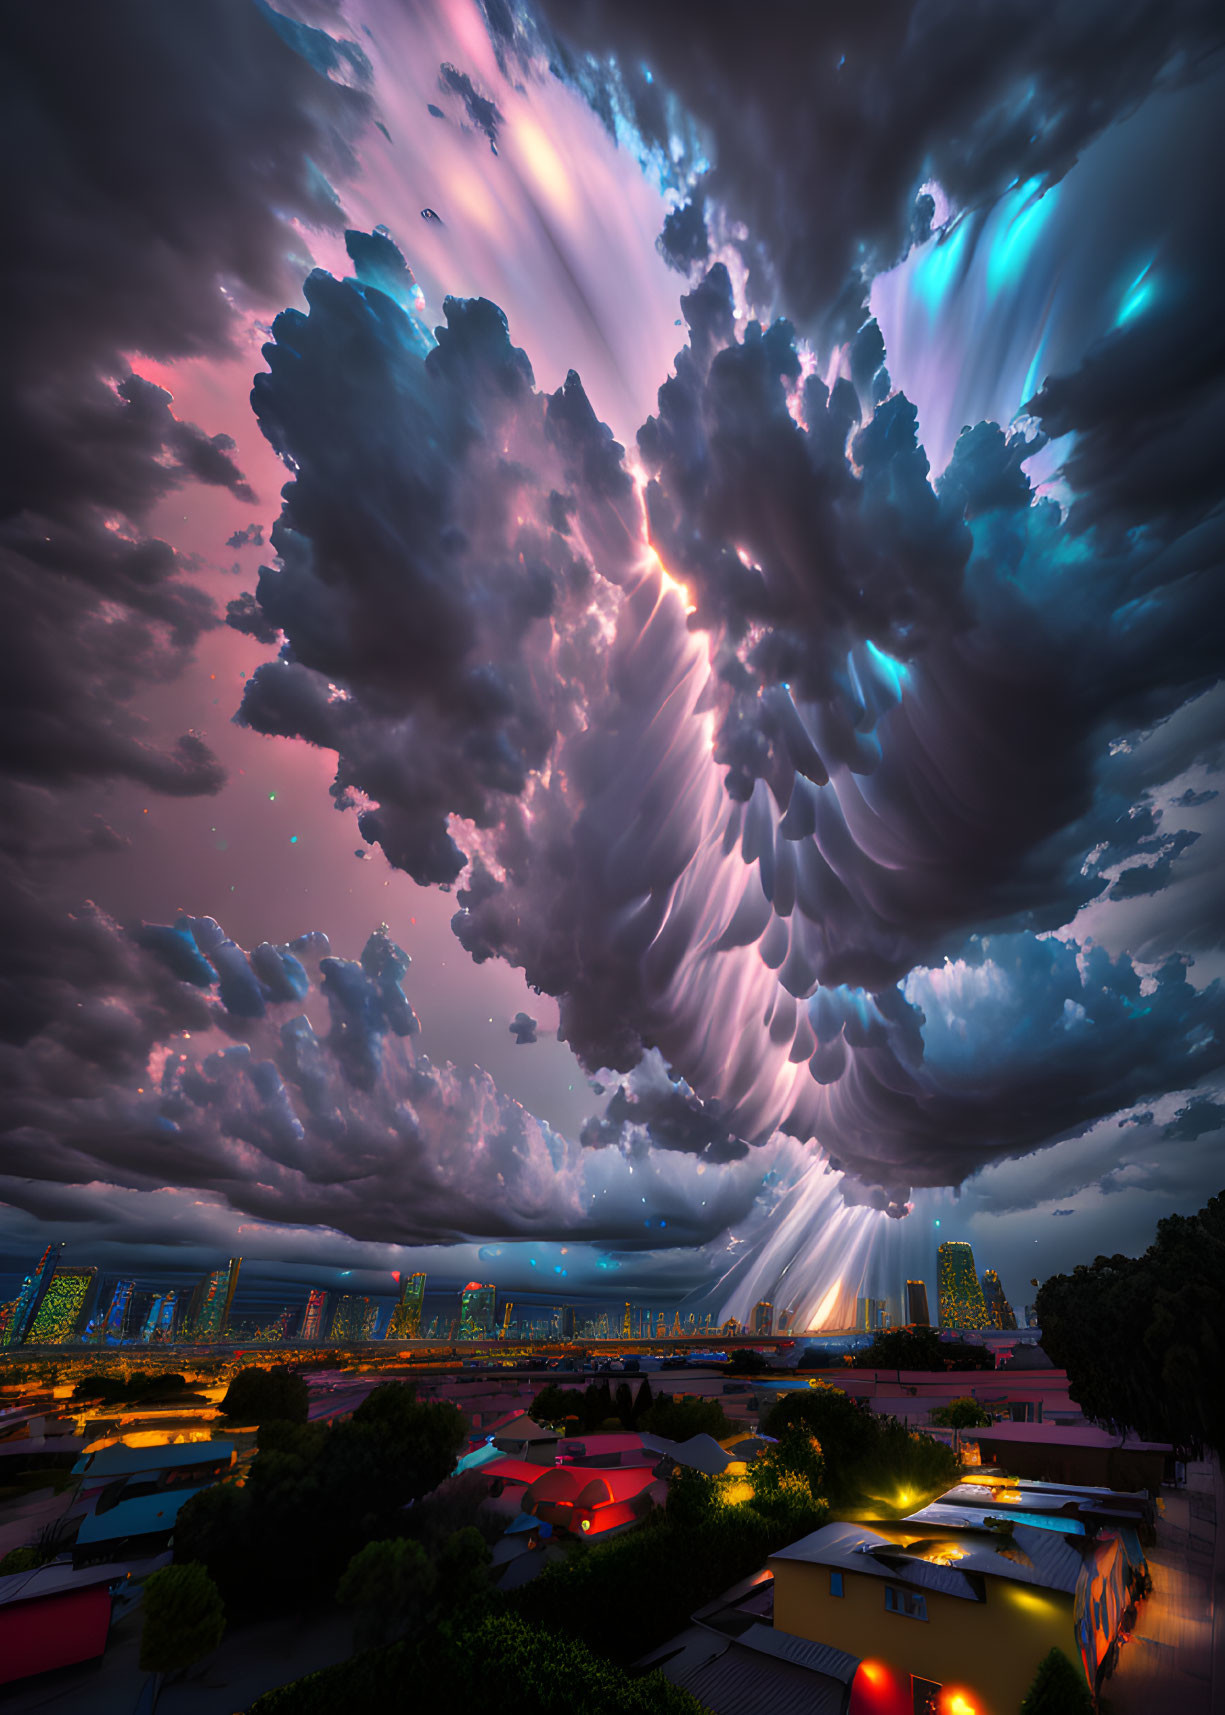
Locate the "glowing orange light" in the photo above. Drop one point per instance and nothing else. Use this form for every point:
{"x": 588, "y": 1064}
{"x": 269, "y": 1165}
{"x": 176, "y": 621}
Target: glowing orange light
{"x": 960, "y": 1705}
{"x": 872, "y": 1672}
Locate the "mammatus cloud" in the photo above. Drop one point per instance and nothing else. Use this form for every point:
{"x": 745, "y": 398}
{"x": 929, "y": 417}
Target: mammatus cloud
{"x": 735, "y": 808}
{"x": 523, "y": 1028}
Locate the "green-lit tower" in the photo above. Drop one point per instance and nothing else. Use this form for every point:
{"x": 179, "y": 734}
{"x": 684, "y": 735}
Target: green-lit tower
{"x": 961, "y": 1297}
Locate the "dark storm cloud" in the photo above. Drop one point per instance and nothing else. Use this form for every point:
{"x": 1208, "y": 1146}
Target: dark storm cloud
{"x": 1063, "y": 1211}
{"x": 823, "y": 122}
{"x": 201, "y": 1071}
{"x": 523, "y": 1028}
{"x": 1200, "y": 1115}
{"x": 165, "y": 154}
{"x": 664, "y": 1114}
{"x": 482, "y": 113}
{"x": 251, "y": 537}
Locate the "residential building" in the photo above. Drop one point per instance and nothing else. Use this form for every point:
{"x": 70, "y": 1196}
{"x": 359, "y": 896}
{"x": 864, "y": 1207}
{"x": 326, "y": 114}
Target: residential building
{"x": 958, "y": 1620}
{"x": 961, "y": 1297}
{"x": 763, "y": 1318}
{"x": 917, "y": 1313}
{"x": 405, "y": 1321}
{"x": 64, "y": 1308}
{"x": 476, "y": 1309}
{"x": 999, "y": 1311}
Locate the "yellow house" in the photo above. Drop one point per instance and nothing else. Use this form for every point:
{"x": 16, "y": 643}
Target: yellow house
{"x": 946, "y": 1623}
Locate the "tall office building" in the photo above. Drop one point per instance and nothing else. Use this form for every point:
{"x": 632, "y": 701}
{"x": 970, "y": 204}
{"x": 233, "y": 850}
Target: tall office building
{"x": 661, "y": 1326}
{"x": 870, "y": 1314}
{"x": 354, "y": 1318}
{"x": 763, "y": 1317}
{"x": 627, "y": 1329}
{"x": 117, "y": 1313}
{"x": 917, "y": 1313}
{"x": 33, "y": 1291}
{"x": 476, "y": 1311}
{"x": 405, "y": 1321}
{"x": 1000, "y": 1313}
{"x": 208, "y": 1311}
{"x": 64, "y": 1308}
{"x": 961, "y": 1297}
{"x": 567, "y": 1323}
{"x": 312, "y": 1316}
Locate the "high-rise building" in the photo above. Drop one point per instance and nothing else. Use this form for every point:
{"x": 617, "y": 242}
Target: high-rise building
{"x": 1000, "y": 1313}
{"x": 870, "y": 1314}
{"x": 33, "y": 1290}
{"x": 354, "y": 1318}
{"x": 763, "y": 1317}
{"x": 208, "y": 1310}
{"x": 1031, "y": 1315}
{"x": 626, "y": 1323}
{"x": 961, "y": 1297}
{"x": 567, "y": 1323}
{"x": 476, "y": 1311}
{"x": 917, "y": 1313}
{"x": 64, "y": 1308}
{"x": 405, "y": 1321}
{"x": 312, "y": 1316}
{"x": 661, "y": 1326}
{"x": 114, "y": 1322}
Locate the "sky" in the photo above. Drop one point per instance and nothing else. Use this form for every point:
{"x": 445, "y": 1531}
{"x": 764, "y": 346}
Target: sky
{"x": 613, "y": 659}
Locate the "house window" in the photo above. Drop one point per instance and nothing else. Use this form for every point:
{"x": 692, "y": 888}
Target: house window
{"x": 924, "y": 1696}
{"x": 835, "y": 1584}
{"x": 898, "y": 1601}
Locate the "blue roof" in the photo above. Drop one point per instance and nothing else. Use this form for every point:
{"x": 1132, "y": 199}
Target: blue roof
{"x": 121, "y": 1460}
{"x": 140, "y": 1517}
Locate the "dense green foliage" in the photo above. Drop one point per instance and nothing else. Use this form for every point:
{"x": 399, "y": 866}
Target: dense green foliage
{"x": 922, "y": 1349}
{"x": 1143, "y": 1338}
{"x": 628, "y": 1595}
{"x": 395, "y": 1587}
{"x": 25, "y": 1559}
{"x": 1058, "y": 1689}
{"x": 867, "y": 1459}
{"x": 499, "y": 1664}
{"x": 183, "y": 1618}
{"x": 260, "y": 1396}
{"x": 315, "y": 1494}
{"x": 576, "y": 1411}
{"x": 138, "y": 1388}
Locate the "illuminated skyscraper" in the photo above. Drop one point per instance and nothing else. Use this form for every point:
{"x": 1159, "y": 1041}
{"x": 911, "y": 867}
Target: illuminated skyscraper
{"x": 476, "y": 1311}
{"x": 405, "y": 1321}
{"x": 661, "y": 1326}
{"x": 312, "y": 1316}
{"x": 567, "y": 1323}
{"x": 763, "y": 1318}
{"x": 33, "y": 1291}
{"x": 353, "y": 1318}
{"x": 626, "y": 1323}
{"x": 870, "y": 1315}
{"x": 117, "y": 1312}
{"x": 208, "y": 1312}
{"x": 64, "y": 1307}
{"x": 1000, "y": 1313}
{"x": 961, "y": 1297}
{"x": 917, "y": 1313}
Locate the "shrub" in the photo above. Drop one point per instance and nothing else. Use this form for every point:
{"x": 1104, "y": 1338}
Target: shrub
{"x": 256, "y": 1395}
{"x": 1058, "y": 1689}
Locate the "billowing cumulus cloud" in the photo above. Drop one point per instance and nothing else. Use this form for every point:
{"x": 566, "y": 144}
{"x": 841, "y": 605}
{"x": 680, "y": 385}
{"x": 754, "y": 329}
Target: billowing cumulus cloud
{"x": 848, "y": 780}
{"x": 202, "y": 1070}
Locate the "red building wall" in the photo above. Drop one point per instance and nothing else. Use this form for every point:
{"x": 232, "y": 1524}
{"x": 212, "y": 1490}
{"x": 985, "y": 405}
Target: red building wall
{"x": 53, "y": 1631}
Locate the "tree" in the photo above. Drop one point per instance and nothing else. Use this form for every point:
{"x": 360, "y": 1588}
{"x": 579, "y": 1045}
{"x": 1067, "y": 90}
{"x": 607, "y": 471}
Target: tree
{"x": 792, "y": 1470}
{"x": 745, "y": 1363}
{"x": 1058, "y": 1689}
{"x": 256, "y": 1395}
{"x": 1140, "y": 1337}
{"x": 679, "y": 1419}
{"x": 959, "y": 1414}
{"x": 388, "y": 1584}
{"x": 183, "y": 1618}
{"x": 692, "y": 1498}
